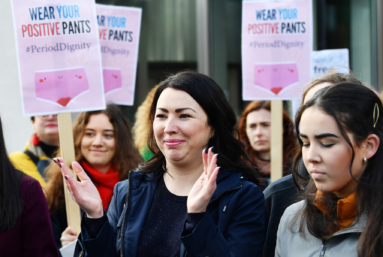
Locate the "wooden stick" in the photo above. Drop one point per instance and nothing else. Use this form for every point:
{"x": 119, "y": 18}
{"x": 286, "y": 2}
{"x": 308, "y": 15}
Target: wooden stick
{"x": 276, "y": 147}
{"x": 67, "y": 153}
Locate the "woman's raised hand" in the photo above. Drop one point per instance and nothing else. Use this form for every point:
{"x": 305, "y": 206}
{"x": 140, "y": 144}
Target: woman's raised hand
{"x": 205, "y": 186}
{"x": 83, "y": 192}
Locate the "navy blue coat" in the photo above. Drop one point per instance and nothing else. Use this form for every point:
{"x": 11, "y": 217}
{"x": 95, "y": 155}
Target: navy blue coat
{"x": 233, "y": 224}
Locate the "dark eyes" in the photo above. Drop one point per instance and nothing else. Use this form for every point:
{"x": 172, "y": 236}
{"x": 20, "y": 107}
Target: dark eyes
{"x": 182, "y": 116}
{"x": 322, "y": 145}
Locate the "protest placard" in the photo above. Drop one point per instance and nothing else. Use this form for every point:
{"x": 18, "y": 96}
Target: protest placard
{"x": 119, "y": 33}
{"x": 276, "y": 48}
{"x": 323, "y": 60}
{"x": 58, "y": 55}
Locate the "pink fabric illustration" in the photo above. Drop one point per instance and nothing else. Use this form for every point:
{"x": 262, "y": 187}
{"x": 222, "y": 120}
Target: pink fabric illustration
{"x": 276, "y": 76}
{"x": 61, "y": 86}
{"x": 112, "y": 79}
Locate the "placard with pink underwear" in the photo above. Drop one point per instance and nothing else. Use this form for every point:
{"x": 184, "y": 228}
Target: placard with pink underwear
{"x": 119, "y": 32}
{"x": 58, "y": 55}
{"x": 276, "y": 48}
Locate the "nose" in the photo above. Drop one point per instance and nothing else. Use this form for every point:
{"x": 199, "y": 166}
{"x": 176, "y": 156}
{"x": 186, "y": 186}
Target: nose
{"x": 312, "y": 155}
{"x": 97, "y": 140}
{"x": 52, "y": 117}
{"x": 171, "y": 126}
{"x": 258, "y": 131}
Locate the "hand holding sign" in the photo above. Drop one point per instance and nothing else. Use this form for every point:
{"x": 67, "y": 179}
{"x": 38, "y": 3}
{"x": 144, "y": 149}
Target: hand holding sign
{"x": 83, "y": 192}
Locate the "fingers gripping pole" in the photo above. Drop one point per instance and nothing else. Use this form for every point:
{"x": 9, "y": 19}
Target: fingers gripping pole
{"x": 68, "y": 155}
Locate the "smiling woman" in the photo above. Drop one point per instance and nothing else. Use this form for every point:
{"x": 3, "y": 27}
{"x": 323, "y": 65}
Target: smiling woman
{"x": 196, "y": 196}
{"x": 104, "y": 147}
{"x": 341, "y": 211}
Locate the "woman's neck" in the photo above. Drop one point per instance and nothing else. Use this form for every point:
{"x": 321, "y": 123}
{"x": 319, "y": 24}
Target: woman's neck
{"x": 264, "y": 156}
{"x": 180, "y": 180}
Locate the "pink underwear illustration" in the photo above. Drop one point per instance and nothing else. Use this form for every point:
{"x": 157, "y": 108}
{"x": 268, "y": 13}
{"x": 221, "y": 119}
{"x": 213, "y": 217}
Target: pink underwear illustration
{"x": 276, "y": 76}
{"x": 112, "y": 79}
{"x": 61, "y": 86}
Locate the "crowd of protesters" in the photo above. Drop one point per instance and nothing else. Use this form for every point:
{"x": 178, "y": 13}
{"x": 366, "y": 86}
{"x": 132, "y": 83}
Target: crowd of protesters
{"x": 194, "y": 182}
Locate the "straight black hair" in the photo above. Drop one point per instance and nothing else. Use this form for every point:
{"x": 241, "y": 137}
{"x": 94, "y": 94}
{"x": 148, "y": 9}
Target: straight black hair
{"x": 221, "y": 118}
{"x": 10, "y": 202}
{"x": 353, "y": 107}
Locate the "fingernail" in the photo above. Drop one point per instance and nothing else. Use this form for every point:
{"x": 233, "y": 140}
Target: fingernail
{"x": 205, "y": 150}
{"x": 212, "y": 149}
{"x": 66, "y": 177}
{"x": 54, "y": 159}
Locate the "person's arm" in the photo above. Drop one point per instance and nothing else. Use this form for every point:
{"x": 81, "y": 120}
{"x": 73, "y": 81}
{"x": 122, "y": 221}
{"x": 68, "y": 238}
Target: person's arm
{"x": 36, "y": 234}
{"x": 100, "y": 239}
{"x": 244, "y": 234}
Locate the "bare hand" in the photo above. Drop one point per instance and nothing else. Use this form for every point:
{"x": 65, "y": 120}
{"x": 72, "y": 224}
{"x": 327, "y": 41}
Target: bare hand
{"x": 83, "y": 192}
{"x": 205, "y": 186}
{"x": 68, "y": 236}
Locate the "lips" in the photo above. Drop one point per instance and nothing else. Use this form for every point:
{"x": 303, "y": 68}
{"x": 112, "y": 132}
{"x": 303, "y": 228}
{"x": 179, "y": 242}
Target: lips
{"x": 173, "y": 142}
{"x": 51, "y": 125}
{"x": 317, "y": 174}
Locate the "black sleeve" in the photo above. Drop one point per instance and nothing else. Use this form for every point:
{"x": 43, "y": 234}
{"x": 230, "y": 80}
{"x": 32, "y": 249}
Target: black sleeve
{"x": 192, "y": 221}
{"x": 94, "y": 225}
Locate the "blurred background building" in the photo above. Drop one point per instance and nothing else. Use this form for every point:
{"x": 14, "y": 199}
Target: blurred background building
{"x": 204, "y": 35}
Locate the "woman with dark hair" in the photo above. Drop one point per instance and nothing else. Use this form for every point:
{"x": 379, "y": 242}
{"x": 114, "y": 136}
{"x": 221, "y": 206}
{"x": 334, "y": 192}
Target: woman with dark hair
{"x": 254, "y": 131}
{"x": 340, "y": 131}
{"x": 282, "y": 193}
{"x": 25, "y": 228}
{"x": 195, "y": 197}
{"x": 104, "y": 147}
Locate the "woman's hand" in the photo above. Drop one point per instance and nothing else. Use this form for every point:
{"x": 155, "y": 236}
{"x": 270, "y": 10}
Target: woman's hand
{"x": 83, "y": 192}
{"x": 205, "y": 186}
{"x": 68, "y": 236}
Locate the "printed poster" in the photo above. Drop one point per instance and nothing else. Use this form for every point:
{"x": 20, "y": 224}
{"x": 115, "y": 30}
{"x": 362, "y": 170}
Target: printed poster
{"x": 58, "y": 55}
{"x": 325, "y": 59}
{"x": 119, "y": 32}
{"x": 276, "y": 48}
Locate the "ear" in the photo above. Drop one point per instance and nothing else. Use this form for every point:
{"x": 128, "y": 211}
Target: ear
{"x": 372, "y": 143}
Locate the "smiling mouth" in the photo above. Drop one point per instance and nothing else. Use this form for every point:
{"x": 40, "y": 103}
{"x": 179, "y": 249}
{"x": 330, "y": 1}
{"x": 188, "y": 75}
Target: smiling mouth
{"x": 173, "y": 142}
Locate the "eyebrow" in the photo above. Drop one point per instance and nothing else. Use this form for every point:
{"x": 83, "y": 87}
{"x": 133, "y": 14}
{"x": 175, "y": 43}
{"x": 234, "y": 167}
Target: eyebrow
{"x": 177, "y": 110}
{"x": 108, "y": 130}
{"x": 319, "y": 136}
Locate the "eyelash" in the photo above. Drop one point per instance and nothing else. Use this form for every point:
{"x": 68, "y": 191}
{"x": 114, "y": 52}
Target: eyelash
{"x": 322, "y": 145}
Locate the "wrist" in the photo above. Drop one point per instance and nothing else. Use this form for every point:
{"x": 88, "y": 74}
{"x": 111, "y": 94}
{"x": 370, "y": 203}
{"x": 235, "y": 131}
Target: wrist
{"x": 95, "y": 214}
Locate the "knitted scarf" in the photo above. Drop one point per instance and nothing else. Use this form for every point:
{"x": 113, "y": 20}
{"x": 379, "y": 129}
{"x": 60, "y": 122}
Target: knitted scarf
{"x": 103, "y": 182}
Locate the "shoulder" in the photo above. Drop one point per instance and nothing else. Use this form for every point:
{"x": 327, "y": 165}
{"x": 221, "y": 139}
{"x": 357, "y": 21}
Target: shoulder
{"x": 29, "y": 185}
{"x": 18, "y": 156}
{"x": 292, "y": 210}
{"x": 279, "y": 186}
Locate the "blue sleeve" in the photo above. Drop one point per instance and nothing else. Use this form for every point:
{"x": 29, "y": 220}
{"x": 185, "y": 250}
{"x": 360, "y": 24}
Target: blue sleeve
{"x": 244, "y": 233}
{"x": 104, "y": 243}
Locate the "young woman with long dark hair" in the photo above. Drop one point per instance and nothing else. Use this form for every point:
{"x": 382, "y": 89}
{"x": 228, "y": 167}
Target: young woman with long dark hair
{"x": 25, "y": 228}
{"x": 340, "y": 132}
{"x": 195, "y": 197}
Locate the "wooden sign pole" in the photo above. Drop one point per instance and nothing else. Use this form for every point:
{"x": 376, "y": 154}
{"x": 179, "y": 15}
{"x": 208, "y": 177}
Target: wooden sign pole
{"x": 276, "y": 147}
{"x": 67, "y": 153}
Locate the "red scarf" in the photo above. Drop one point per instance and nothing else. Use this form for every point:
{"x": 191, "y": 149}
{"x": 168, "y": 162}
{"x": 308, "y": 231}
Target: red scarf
{"x": 103, "y": 182}
{"x": 35, "y": 140}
